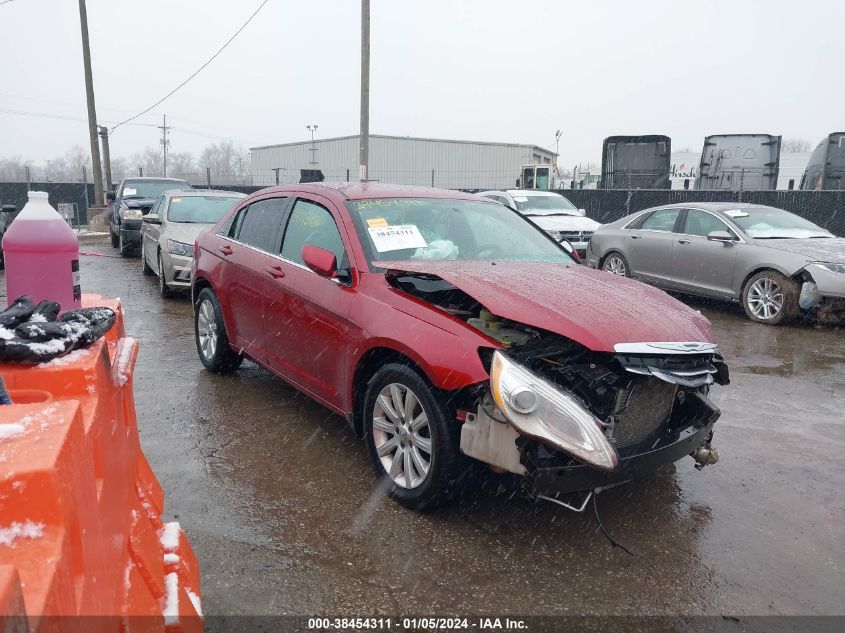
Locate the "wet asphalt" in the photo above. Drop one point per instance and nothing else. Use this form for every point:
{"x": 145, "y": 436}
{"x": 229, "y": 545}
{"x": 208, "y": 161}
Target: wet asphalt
{"x": 277, "y": 497}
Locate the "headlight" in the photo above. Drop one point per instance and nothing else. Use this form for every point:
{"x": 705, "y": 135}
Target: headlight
{"x": 131, "y": 214}
{"x": 180, "y": 248}
{"x": 538, "y": 409}
{"x": 831, "y": 268}
{"x": 555, "y": 235}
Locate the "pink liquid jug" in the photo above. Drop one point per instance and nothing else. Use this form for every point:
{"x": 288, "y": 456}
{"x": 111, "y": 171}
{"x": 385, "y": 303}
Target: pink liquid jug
{"x": 42, "y": 255}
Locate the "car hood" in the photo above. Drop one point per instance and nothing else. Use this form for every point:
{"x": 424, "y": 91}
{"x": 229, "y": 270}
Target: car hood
{"x": 821, "y": 249}
{"x": 139, "y": 203}
{"x": 185, "y": 232}
{"x": 564, "y": 222}
{"x": 591, "y": 307}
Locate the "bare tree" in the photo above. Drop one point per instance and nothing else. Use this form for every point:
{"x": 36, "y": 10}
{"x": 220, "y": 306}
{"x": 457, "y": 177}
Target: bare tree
{"x": 181, "y": 164}
{"x": 121, "y": 168}
{"x": 77, "y": 157}
{"x": 150, "y": 160}
{"x": 13, "y": 169}
{"x": 227, "y": 162}
{"x": 795, "y": 145}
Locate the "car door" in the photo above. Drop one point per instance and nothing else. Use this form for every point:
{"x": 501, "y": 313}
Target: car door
{"x": 703, "y": 265}
{"x": 249, "y": 270}
{"x": 151, "y": 233}
{"x": 649, "y": 248}
{"x": 307, "y": 324}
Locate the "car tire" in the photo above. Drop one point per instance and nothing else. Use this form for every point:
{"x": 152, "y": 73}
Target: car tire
{"x": 145, "y": 267}
{"x": 770, "y": 297}
{"x": 210, "y": 335}
{"x": 126, "y": 250}
{"x": 399, "y": 456}
{"x": 115, "y": 240}
{"x": 163, "y": 289}
{"x": 616, "y": 264}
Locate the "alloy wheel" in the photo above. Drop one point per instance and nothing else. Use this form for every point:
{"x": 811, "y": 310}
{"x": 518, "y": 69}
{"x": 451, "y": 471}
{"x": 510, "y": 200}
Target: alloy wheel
{"x": 616, "y": 266}
{"x": 207, "y": 329}
{"x": 765, "y": 298}
{"x": 402, "y": 435}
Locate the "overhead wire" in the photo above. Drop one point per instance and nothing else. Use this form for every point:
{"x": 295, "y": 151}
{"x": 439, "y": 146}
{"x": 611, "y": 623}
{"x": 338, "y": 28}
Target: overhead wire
{"x": 197, "y": 71}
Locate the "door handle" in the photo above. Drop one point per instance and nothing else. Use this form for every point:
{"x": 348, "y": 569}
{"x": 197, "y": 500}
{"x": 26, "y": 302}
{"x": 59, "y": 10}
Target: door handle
{"x": 275, "y": 272}
{"x": 684, "y": 241}
{"x": 635, "y": 237}
{"x": 225, "y": 249}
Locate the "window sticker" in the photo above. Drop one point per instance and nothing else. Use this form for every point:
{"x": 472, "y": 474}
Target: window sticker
{"x": 395, "y": 238}
{"x": 175, "y": 200}
{"x": 736, "y": 213}
{"x": 129, "y": 192}
{"x": 520, "y": 198}
{"x": 376, "y": 223}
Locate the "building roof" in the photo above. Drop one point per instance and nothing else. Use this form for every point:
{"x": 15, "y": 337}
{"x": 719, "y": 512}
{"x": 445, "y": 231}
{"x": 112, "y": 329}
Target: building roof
{"x": 407, "y": 138}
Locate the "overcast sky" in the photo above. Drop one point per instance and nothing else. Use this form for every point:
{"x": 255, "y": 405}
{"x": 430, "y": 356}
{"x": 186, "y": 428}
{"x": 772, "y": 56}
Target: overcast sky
{"x": 488, "y": 70}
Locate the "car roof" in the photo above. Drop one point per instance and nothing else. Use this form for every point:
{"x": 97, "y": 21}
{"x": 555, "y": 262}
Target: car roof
{"x": 532, "y": 192}
{"x": 711, "y": 206}
{"x": 371, "y": 190}
{"x": 204, "y": 192}
{"x": 153, "y": 179}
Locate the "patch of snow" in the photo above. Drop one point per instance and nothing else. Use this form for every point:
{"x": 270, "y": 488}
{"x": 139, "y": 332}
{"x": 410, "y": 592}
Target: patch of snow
{"x": 38, "y": 318}
{"x": 171, "y": 599}
{"x": 11, "y": 430}
{"x": 91, "y": 388}
{"x": 124, "y": 360}
{"x": 6, "y": 333}
{"x": 56, "y": 346}
{"x": 127, "y": 585}
{"x": 72, "y": 357}
{"x": 171, "y": 559}
{"x": 170, "y": 535}
{"x": 16, "y": 530}
{"x": 195, "y": 600}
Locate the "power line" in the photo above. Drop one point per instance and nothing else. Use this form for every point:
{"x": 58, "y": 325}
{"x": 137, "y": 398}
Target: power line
{"x": 63, "y": 117}
{"x": 2, "y": 2}
{"x": 198, "y": 70}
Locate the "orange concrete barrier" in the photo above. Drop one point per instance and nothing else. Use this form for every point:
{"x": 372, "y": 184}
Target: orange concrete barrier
{"x": 80, "y": 527}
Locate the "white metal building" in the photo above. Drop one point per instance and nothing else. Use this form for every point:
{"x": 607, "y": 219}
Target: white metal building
{"x": 403, "y": 160}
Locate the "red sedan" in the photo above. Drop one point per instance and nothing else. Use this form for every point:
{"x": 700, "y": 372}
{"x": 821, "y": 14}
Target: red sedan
{"x": 447, "y": 329}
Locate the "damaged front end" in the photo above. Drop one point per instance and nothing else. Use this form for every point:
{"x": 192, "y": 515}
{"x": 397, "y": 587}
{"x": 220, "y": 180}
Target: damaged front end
{"x": 571, "y": 419}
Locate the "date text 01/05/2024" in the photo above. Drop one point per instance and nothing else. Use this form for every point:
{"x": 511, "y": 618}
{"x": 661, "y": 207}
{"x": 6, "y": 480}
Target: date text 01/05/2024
{"x": 416, "y": 624}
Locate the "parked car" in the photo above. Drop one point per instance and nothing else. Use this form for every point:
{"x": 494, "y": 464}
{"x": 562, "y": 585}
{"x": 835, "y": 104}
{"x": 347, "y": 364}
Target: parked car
{"x": 551, "y": 212}
{"x": 444, "y": 326}
{"x": 133, "y": 198}
{"x": 172, "y": 226}
{"x": 773, "y": 262}
{"x": 8, "y": 212}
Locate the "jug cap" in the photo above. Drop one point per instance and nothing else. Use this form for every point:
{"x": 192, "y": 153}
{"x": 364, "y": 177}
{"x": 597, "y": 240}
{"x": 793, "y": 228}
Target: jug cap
{"x": 37, "y": 195}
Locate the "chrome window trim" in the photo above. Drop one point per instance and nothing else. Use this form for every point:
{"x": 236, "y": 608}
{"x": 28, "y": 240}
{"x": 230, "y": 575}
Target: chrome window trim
{"x": 666, "y": 348}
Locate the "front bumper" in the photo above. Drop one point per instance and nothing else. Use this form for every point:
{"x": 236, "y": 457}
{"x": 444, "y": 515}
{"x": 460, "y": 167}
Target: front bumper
{"x": 579, "y": 478}
{"x": 130, "y": 231}
{"x": 176, "y": 269}
{"x": 828, "y": 284}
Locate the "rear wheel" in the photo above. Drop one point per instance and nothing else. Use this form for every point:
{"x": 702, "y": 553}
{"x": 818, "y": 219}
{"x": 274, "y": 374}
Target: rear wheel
{"x": 616, "y": 264}
{"x": 210, "y": 334}
{"x": 411, "y": 437}
{"x": 771, "y": 298}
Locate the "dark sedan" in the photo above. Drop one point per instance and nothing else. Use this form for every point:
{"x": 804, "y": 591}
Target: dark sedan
{"x": 131, "y": 201}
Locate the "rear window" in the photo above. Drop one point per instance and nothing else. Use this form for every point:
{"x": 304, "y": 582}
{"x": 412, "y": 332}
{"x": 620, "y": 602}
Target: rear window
{"x": 199, "y": 209}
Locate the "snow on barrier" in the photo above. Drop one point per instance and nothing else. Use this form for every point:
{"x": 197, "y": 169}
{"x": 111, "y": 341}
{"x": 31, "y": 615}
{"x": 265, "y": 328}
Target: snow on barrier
{"x": 80, "y": 528}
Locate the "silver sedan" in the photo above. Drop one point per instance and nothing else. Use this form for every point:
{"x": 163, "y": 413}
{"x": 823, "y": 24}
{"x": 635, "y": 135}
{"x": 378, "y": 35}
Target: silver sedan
{"x": 168, "y": 232}
{"x": 775, "y": 263}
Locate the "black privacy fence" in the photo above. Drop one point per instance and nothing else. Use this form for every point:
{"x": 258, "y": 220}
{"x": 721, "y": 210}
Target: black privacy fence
{"x": 825, "y": 208}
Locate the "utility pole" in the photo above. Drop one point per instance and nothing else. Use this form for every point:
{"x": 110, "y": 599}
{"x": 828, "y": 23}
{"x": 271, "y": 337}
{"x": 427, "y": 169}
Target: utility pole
{"x": 92, "y": 110}
{"x": 365, "y": 91}
{"x": 313, "y": 163}
{"x": 165, "y": 142}
{"x": 104, "y": 134}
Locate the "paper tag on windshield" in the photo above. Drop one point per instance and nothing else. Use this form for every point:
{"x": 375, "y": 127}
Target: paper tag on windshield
{"x": 130, "y": 192}
{"x": 175, "y": 200}
{"x": 520, "y": 198}
{"x": 376, "y": 222}
{"x": 736, "y": 213}
{"x": 395, "y": 238}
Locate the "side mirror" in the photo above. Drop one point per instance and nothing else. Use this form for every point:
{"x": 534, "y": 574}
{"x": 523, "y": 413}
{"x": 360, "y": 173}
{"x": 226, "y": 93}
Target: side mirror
{"x": 151, "y": 218}
{"x": 321, "y": 261}
{"x": 110, "y": 196}
{"x": 8, "y": 208}
{"x": 720, "y": 236}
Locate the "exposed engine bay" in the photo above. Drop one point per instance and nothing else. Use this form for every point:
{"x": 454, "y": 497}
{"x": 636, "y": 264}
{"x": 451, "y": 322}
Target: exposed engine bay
{"x": 553, "y": 405}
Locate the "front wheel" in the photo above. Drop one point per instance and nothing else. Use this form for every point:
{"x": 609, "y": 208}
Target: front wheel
{"x": 145, "y": 267}
{"x": 616, "y": 264}
{"x": 163, "y": 288}
{"x": 771, "y": 298}
{"x": 126, "y": 250}
{"x": 115, "y": 240}
{"x": 411, "y": 437}
{"x": 210, "y": 334}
